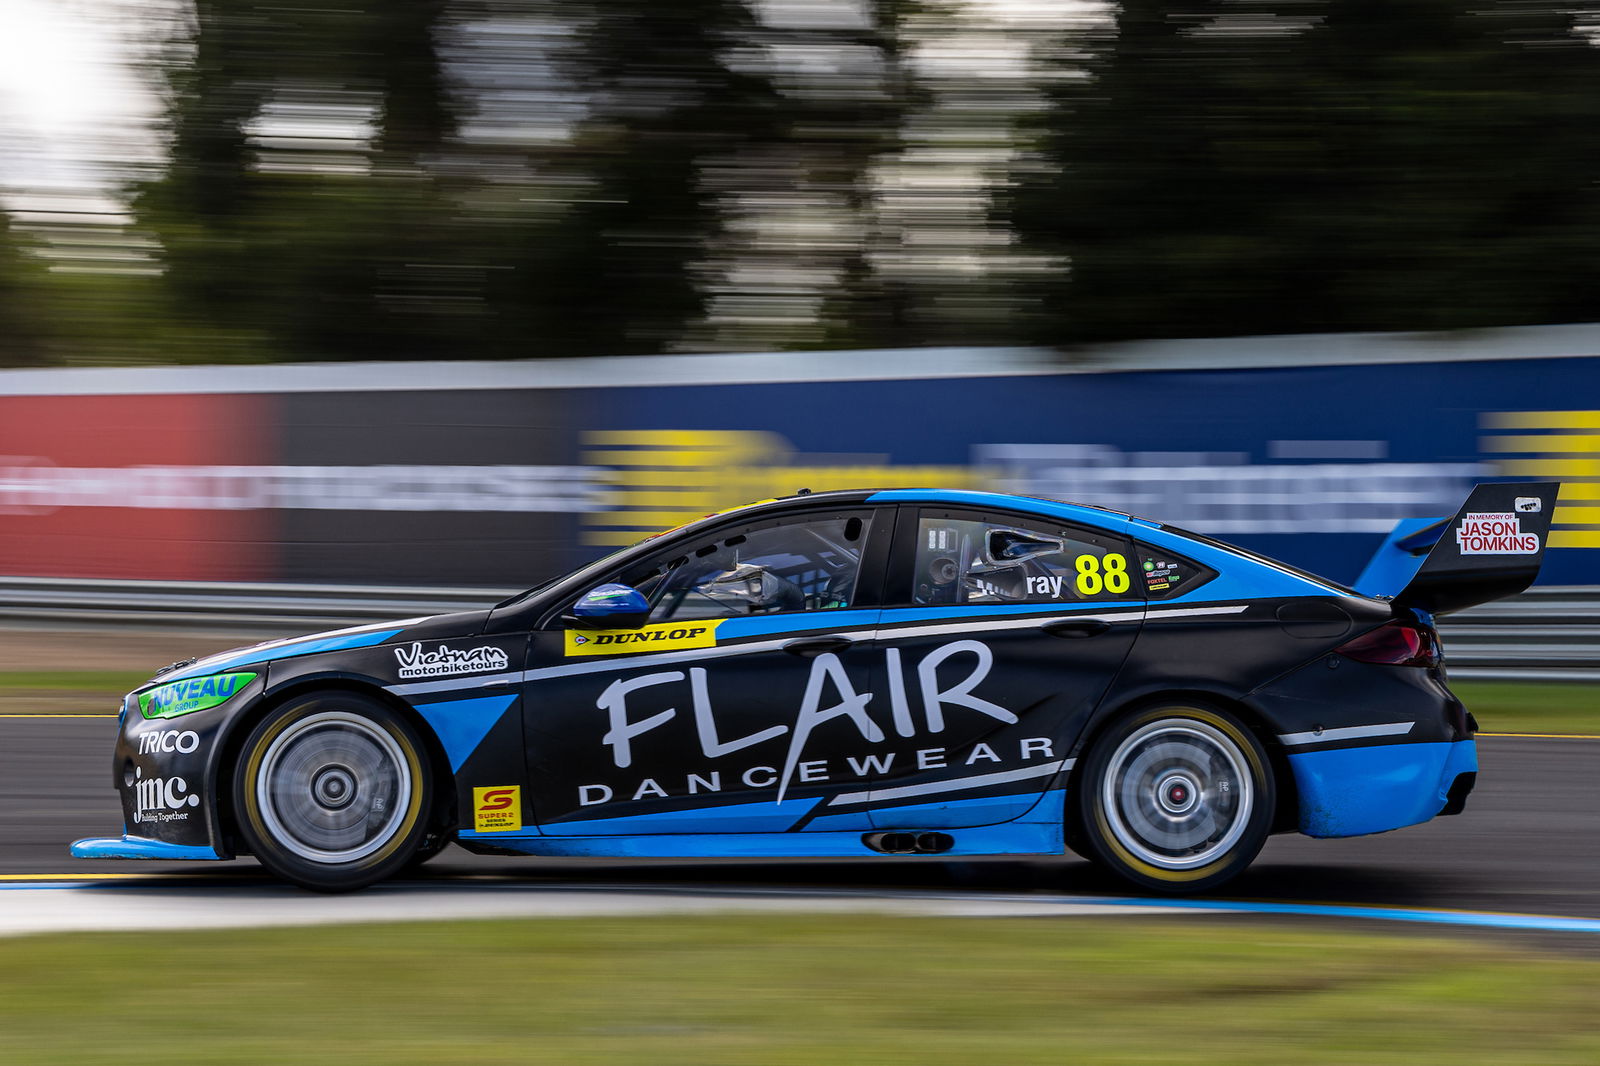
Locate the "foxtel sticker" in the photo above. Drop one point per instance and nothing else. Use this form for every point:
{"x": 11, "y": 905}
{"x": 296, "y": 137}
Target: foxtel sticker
{"x": 665, "y": 636}
{"x": 497, "y": 809}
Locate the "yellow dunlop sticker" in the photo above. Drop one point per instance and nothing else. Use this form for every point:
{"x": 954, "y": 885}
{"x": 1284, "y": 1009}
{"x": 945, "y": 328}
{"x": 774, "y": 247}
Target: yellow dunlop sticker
{"x": 665, "y": 636}
{"x": 497, "y": 809}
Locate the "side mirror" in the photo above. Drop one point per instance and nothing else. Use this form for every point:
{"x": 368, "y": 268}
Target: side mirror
{"x": 611, "y": 607}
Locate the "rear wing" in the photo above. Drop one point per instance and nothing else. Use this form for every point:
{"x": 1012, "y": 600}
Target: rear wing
{"x": 1490, "y": 549}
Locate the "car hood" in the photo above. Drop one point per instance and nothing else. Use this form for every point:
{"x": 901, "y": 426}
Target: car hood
{"x": 432, "y": 627}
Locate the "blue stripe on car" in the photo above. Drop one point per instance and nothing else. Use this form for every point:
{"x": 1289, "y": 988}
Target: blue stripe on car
{"x": 1011, "y": 838}
{"x": 747, "y": 817}
{"x": 461, "y": 725}
{"x": 251, "y": 656}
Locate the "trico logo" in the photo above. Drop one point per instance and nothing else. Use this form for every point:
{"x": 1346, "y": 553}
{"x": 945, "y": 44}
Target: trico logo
{"x": 162, "y": 799}
{"x": 442, "y": 661}
{"x": 167, "y": 740}
{"x": 497, "y": 808}
{"x": 665, "y": 636}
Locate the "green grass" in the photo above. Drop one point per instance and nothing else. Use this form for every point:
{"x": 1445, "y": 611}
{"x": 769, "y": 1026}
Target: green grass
{"x": 1523, "y": 707}
{"x": 93, "y": 682}
{"x": 791, "y": 990}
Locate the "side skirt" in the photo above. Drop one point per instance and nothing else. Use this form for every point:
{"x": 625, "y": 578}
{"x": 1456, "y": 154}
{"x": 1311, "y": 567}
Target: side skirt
{"x": 1010, "y": 838}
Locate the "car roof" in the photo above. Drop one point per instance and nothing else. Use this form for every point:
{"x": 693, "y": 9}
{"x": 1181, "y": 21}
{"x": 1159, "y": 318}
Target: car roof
{"x": 1073, "y": 512}
{"x": 1103, "y": 517}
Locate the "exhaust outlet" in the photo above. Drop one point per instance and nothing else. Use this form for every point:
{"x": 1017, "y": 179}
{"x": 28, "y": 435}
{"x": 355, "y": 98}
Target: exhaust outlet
{"x": 909, "y": 843}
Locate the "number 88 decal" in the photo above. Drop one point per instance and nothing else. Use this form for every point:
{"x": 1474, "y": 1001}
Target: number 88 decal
{"x": 1091, "y": 580}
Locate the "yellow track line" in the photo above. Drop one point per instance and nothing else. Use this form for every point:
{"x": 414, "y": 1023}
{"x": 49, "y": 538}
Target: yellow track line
{"x": 58, "y": 716}
{"x": 91, "y": 877}
{"x": 1546, "y": 736}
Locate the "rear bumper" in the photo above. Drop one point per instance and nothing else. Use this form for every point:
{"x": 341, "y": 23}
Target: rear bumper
{"x": 1350, "y": 792}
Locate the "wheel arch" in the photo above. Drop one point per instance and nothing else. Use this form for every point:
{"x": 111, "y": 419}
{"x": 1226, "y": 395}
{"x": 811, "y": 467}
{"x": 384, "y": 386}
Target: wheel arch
{"x": 444, "y": 799}
{"x": 1286, "y": 815}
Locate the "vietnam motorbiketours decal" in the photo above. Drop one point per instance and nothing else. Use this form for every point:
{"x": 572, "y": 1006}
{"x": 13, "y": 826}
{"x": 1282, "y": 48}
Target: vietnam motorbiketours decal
{"x": 663, "y": 636}
{"x": 444, "y": 661}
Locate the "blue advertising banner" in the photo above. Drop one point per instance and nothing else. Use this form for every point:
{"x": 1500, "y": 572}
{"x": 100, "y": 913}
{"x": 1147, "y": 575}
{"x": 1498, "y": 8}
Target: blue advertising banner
{"x": 1312, "y": 465}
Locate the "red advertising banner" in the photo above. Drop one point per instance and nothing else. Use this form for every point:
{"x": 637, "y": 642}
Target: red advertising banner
{"x": 134, "y": 486}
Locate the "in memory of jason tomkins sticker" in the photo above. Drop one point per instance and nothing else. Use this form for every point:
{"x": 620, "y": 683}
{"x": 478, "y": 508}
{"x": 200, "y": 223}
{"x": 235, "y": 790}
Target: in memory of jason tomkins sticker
{"x": 1495, "y": 533}
{"x": 664, "y": 636}
{"x": 497, "y": 808}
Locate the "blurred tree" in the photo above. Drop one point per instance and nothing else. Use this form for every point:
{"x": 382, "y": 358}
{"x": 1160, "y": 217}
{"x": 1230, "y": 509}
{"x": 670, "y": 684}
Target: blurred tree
{"x": 1265, "y": 166}
{"x": 858, "y": 128}
{"x": 23, "y": 336}
{"x": 296, "y": 204}
{"x": 620, "y": 268}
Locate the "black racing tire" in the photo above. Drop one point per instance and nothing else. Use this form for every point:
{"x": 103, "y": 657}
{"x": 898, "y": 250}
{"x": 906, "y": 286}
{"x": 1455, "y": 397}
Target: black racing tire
{"x": 332, "y": 791}
{"x": 1176, "y": 799}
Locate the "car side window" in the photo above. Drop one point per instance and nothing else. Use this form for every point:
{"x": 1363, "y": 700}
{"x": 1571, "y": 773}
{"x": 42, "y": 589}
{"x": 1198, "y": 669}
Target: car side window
{"x": 1167, "y": 575}
{"x": 807, "y": 564}
{"x": 965, "y": 560}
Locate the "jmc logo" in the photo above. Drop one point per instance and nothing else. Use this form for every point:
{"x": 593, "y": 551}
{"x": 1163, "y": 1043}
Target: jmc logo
{"x": 162, "y": 799}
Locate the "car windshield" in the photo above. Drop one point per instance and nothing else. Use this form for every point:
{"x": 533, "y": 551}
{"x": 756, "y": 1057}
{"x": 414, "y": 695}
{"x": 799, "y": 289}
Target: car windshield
{"x": 603, "y": 560}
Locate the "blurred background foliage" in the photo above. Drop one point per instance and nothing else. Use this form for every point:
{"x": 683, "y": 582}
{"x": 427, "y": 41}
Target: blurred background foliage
{"x": 408, "y": 179}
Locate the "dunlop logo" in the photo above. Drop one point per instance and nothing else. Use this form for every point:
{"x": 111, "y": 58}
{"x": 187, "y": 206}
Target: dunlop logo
{"x": 667, "y": 636}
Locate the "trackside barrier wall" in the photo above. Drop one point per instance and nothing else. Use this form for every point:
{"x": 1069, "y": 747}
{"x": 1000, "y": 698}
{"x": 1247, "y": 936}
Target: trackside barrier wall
{"x": 496, "y": 475}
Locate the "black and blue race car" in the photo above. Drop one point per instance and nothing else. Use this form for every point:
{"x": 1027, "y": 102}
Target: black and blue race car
{"x": 848, "y": 674}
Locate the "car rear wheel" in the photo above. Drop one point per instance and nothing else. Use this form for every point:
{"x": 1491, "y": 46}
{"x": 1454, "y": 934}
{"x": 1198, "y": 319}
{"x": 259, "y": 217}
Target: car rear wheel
{"x": 1176, "y": 799}
{"x": 332, "y": 791}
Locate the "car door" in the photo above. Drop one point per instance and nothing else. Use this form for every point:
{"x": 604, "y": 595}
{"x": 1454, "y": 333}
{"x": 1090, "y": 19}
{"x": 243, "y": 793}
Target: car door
{"x": 728, "y": 711}
{"x": 1011, "y": 631}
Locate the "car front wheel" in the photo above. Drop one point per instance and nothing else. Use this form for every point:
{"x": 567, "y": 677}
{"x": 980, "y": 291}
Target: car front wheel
{"x": 332, "y": 791}
{"x": 1176, "y": 799}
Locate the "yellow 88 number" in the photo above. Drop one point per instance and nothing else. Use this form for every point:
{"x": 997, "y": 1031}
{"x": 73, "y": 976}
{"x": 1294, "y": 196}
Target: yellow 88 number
{"x": 1091, "y": 580}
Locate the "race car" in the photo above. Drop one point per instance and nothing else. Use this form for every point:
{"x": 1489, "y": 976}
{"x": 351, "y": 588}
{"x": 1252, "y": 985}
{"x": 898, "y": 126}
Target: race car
{"x": 848, "y": 674}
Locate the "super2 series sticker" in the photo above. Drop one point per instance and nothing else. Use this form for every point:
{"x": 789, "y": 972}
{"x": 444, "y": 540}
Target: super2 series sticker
{"x": 497, "y": 809}
{"x": 664, "y": 636}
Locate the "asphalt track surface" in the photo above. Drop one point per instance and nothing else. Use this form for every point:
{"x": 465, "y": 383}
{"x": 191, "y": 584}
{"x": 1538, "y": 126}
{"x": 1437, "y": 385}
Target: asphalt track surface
{"x": 1528, "y": 844}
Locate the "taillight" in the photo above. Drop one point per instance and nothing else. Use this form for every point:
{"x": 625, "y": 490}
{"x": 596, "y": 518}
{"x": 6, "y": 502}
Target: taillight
{"x": 1394, "y": 644}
